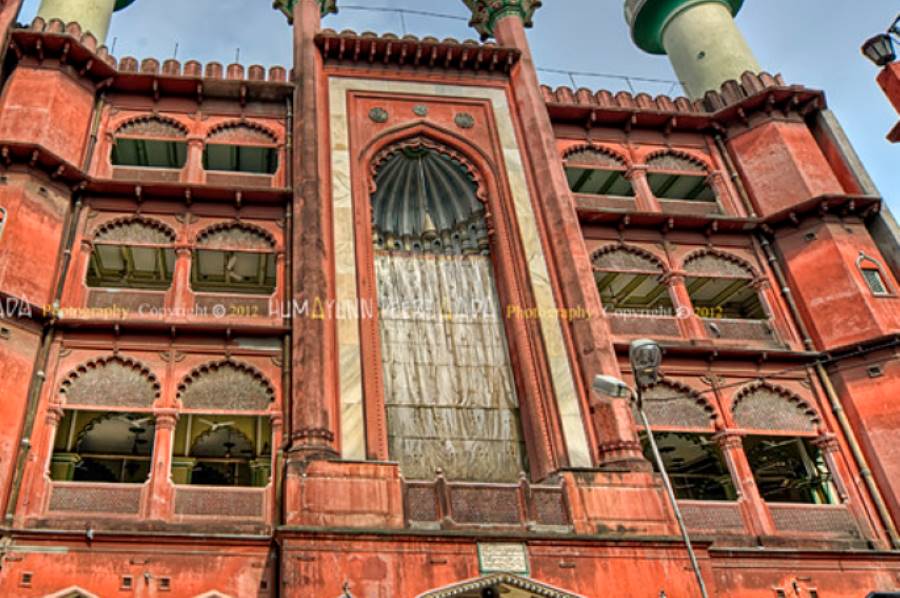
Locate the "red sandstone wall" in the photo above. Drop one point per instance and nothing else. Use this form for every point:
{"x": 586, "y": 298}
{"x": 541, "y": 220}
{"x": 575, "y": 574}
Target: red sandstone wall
{"x": 47, "y": 108}
{"x": 870, "y": 402}
{"x": 18, "y": 349}
{"x": 782, "y": 165}
{"x": 192, "y": 569}
{"x": 829, "y": 287}
{"x": 31, "y": 239}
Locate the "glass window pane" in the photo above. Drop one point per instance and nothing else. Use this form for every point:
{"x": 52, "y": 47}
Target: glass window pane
{"x": 240, "y": 158}
{"x": 875, "y": 281}
{"x": 149, "y": 153}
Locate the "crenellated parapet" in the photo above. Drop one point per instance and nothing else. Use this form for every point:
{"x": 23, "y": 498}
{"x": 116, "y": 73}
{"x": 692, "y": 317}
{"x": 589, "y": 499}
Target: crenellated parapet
{"x": 93, "y": 15}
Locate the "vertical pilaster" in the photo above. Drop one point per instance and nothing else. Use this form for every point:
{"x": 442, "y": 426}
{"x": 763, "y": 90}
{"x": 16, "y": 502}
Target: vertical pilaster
{"x": 180, "y": 297}
{"x": 314, "y": 400}
{"x": 591, "y": 351}
{"x": 160, "y": 491}
{"x": 193, "y": 172}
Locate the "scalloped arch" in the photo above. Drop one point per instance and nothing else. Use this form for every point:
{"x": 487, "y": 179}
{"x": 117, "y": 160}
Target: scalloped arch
{"x": 609, "y": 157}
{"x": 111, "y": 381}
{"x": 423, "y": 141}
{"x": 767, "y": 406}
{"x": 237, "y": 130}
{"x": 713, "y": 262}
{"x": 670, "y": 159}
{"x": 231, "y": 235}
{"x": 134, "y": 229}
{"x": 619, "y": 256}
{"x": 226, "y": 384}
{"x": 672, "y": 403}
{"x": 153, "y": 125}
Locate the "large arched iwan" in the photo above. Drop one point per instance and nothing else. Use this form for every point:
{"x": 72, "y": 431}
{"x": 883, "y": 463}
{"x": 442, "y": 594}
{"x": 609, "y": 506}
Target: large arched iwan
{"x": 539, "y": 416}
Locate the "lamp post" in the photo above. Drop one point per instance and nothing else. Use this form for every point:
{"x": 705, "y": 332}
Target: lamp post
{"x": 882, "y": 51}
{"x": 646, "y": 356}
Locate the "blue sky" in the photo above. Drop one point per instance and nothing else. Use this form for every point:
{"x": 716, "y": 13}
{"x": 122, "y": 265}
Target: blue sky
{"x": 811, "y": 42}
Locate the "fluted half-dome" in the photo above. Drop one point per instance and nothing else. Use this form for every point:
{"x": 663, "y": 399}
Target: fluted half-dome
{"x": 426, "y": 201}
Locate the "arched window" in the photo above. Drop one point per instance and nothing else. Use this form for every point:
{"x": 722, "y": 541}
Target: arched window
{"x": 787, "y": 465}
{"x": 96, "y": 445}
{"x": 448, "y": 383}
{"x": 222, "y": 450}
{"x": 722, "y": 286}
{"x": 873, "y": 275}
{"x": 230, "y": 449}
{"x": 674, "y": 176}
{"x": 630, "y": 280}
{"x": 234, "y": 258}
{"x": 150, "y": 142}
{"x": 596, "y": 171}
{"x": 108, "y": 447}
{"x": 133, "y": 253}
{"x": 683, "y": 426}
{"x": 239, "y": 147}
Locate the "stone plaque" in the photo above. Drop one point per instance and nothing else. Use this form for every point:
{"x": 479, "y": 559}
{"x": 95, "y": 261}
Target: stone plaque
{"x": 503, "y": 558}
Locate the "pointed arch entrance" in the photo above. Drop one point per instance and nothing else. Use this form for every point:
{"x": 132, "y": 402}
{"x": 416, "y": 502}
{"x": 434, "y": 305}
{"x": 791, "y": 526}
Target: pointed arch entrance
{"x": 448, "y": 385}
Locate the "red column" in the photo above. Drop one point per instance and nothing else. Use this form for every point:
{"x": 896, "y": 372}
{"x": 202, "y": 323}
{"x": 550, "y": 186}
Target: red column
{"x": 756, "y": 515}
{"x": 160, "y": 490}
{"x": 180, "y": 297}
{"x": 568, "y": 257}
{"x": 644, "y": 200}
{"x": 314, "y": 396}
{"x": 689, "y": 323}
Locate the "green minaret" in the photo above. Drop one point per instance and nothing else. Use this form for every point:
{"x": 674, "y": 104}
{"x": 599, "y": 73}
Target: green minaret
{"x": 93, "y": 15}
{"x": 700, "y": 37}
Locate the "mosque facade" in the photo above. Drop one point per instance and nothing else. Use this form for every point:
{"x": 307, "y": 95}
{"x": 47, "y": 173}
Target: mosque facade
{"x": 330, "y": 330}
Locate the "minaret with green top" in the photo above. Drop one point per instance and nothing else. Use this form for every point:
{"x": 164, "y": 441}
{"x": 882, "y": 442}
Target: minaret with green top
{"x": 93, "y": 15}
{"x": 700, "y": 37}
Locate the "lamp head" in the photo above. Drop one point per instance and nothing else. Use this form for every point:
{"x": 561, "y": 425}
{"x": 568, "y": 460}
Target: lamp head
{"x": 611, "y": 387}
{"x": 645, "y": 356}
{"x": 880, "y": 49}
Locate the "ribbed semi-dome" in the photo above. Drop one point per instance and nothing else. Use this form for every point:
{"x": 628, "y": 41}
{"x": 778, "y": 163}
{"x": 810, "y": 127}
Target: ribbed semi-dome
{"x": 426, "y": 201}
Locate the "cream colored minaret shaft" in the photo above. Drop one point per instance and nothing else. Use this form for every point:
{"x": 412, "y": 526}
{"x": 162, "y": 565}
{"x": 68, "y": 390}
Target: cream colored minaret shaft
{"x": 706, "y": 48}
{"x": 700, "y": 37}
{"x": 94, "y": 16}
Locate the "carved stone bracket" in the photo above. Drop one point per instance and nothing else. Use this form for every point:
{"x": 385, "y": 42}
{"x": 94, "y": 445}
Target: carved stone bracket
{"x": 486, "y": 13}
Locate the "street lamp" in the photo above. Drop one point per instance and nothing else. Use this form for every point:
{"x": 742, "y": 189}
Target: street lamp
{"x": 645, "y": 356}
{"x": 880, "y": 48}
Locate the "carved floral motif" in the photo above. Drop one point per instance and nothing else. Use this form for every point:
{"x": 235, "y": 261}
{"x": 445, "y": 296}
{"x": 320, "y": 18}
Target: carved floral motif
{"x": 486, "y": 13}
